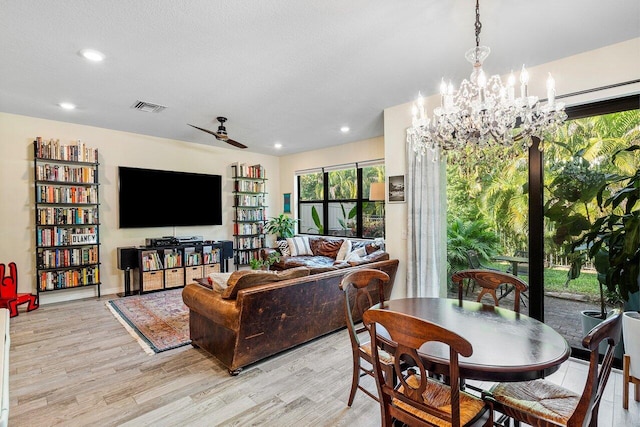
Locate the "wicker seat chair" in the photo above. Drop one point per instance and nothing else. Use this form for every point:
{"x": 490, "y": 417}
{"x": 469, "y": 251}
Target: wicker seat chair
{"x": 418, "y": 399}
{"x": 543, "y": 403}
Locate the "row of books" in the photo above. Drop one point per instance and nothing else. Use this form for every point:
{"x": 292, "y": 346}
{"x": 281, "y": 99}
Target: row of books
{"x": 53, "y": 216}
{"x": 65, "y": 173}
{"x": 151, "y": 261}
{"x": 248, "y": 200}
{"x": 56, "y": 236}
{"x": 240, "y": 229}
{"x": 211, "y": 256}
{"x": 50, "y": 280}
{"x": 255, "y": 242}
{"x": 54, "y": 150}
{"x": 250, "y": 215}
{"x": 172, "y": 258}
{"x": 247, "y": 256}
{"x": 53, "y": 194}
{"x": 249, "y": 186}
{"x": 242, "y": 170}
{"x": 53, "y": 258}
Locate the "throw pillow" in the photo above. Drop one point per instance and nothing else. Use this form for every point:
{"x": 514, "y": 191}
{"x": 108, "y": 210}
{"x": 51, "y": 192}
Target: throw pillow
{"x": 299, "y": 246}
{"x": 345, "y": 249}
{"x": 357, "y": 254}
{"x": 283, "y": 247}
{"x": 324, "y": 246}
{"x": 218, "y": 281}
{"x": 244, "y": 279}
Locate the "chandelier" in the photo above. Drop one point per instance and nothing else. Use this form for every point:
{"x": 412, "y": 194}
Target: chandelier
{"x": 484, "y": 112}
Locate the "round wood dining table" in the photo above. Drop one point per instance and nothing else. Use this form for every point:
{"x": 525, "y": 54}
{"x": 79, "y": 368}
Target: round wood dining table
{"x": 507, "y": 346}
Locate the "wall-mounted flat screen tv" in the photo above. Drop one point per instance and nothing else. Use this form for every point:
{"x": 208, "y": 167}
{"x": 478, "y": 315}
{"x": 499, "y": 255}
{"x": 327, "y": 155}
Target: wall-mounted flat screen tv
{"x": 159, "y": 198}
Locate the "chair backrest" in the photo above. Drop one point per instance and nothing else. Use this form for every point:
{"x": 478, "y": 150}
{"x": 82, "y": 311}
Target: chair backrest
{"x": 472, "y": 257}
{"x": 489, "y": 281}
{"x": 362, "y": 289}
{"x": 597, "y": 377}
{"x": 407, "y": 335}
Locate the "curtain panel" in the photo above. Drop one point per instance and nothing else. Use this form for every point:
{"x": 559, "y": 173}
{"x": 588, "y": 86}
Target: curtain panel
{"x": 427, "y": 225}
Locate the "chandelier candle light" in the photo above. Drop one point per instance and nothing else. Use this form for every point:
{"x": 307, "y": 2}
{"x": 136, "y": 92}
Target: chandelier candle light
{"x": 484, "y": 112}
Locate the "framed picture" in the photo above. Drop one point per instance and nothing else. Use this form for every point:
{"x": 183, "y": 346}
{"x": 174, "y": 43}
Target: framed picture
{"x": 287, "y": 202}
{"x": 396, "y": 189}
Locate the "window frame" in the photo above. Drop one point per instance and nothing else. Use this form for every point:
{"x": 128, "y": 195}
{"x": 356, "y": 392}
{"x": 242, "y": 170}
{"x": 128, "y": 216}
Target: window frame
{"x": 326, "y": 201}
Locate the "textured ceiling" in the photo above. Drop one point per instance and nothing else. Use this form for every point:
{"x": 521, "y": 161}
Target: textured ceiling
{"x": 288, "y": 71}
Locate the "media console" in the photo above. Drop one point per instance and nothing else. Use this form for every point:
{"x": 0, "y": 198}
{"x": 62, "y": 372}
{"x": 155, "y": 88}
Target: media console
{"x": 160, "y": 267}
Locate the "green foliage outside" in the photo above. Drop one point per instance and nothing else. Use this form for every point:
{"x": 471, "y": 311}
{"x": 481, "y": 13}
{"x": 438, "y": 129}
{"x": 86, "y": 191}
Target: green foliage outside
{"x": 491, "y": 188}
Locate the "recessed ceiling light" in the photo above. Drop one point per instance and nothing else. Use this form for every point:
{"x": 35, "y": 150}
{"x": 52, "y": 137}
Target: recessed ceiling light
{"x": 92, "y": 55}
{"x": 277, "y": 145}
{"x": 67, "y": 106}
{"x": 344, "y": 129}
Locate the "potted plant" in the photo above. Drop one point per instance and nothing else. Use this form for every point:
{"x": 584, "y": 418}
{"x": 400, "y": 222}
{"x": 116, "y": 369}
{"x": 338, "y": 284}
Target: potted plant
{"x": 617, "y": 234}
{"x": 264, "y": 264}
{"x": 613, "y": 242}
{"x": 282, "y": 226}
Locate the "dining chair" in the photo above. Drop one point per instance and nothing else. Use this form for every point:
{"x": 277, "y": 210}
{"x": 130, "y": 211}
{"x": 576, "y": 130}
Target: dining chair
{"x": 360, "y": 293}
{"x": 418, "y": 399}
{"x": 489, "y": 281}
{"x": 543, "y": 403}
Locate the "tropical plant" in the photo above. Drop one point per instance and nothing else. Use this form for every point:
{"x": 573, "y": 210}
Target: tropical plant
{"x": 346, "y": 222}
{"x": 617, "y": 232}
{"x": 316, "y": 220}
{"x": 465, "y": 235}
{"x": 570, "y": 206}
{"x": 282, "y": 226}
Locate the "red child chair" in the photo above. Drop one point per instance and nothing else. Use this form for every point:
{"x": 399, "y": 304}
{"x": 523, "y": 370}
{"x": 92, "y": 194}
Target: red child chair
{"x": 9, "y": 296}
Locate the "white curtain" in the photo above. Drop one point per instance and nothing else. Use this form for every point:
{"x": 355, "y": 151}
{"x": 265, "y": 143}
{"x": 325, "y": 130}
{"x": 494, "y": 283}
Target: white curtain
{"x": 427, "y": 226}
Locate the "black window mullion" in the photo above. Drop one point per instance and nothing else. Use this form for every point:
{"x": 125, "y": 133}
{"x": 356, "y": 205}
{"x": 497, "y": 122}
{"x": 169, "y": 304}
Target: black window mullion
{"x": 325, "y": 204}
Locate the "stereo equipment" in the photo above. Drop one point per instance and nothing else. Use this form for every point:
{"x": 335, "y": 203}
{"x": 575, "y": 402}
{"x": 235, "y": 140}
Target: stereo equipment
{"x": 160, "y": 241}
{"x": 127, "y": 258}
{"x": 227, "y": 249}
{"x": 190, "y": 239}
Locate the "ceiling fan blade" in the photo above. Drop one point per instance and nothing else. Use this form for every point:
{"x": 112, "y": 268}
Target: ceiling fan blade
{"x": 205, "y": 130}
{"x": 235, "y": 143}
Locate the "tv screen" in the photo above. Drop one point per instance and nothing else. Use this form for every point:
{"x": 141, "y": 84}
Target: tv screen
{"x": 158, "y": 198}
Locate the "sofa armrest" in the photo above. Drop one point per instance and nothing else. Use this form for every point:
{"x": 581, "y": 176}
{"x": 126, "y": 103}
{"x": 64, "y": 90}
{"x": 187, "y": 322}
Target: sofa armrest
{"x": 211, "y": 305}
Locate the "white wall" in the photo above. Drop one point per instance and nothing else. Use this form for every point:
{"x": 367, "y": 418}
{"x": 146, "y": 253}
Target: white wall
{"x": 601, "y": 67}
{"x": 115, "y": 149}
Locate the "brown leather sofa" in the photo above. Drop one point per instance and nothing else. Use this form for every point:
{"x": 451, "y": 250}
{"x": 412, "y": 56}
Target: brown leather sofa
{"x": 324, "y": 252}
{"x": 266, "y": 319}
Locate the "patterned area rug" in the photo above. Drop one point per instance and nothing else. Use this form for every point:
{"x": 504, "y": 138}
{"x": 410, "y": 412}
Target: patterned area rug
{"x": 159, "y": 321}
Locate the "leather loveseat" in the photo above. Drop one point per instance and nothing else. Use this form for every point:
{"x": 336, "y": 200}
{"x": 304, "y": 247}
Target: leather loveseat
{"x": 265, "y": 319}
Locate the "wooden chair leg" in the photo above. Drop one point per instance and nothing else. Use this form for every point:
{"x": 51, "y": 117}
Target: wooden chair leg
{"x": 356, "y": 379}
{"x": 625, "y": 381}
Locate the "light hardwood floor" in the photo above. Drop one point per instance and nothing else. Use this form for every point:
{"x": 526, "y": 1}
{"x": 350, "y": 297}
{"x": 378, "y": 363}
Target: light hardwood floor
{"x": 73, "y": 364}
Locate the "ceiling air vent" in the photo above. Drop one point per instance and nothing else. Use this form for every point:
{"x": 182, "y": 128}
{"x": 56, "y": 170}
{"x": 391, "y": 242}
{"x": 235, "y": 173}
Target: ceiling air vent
{"x": 148, "y": 107}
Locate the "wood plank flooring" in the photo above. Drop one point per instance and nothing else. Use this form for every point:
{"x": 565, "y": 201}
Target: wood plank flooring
{"x": 73, "y": 364}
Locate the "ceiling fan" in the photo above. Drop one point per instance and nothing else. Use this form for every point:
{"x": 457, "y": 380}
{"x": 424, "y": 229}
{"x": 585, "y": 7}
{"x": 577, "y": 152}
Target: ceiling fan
{"x": 221, "y": 134}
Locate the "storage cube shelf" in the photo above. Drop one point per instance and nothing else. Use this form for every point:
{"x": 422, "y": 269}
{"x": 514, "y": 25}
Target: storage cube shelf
{"x": 67, "y": 237}
{"x": 249, "y": 197}
{"x": 174, "y": 266}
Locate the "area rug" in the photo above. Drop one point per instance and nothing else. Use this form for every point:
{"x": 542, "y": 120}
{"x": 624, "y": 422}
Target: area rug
{"x": 159, "y": 321}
